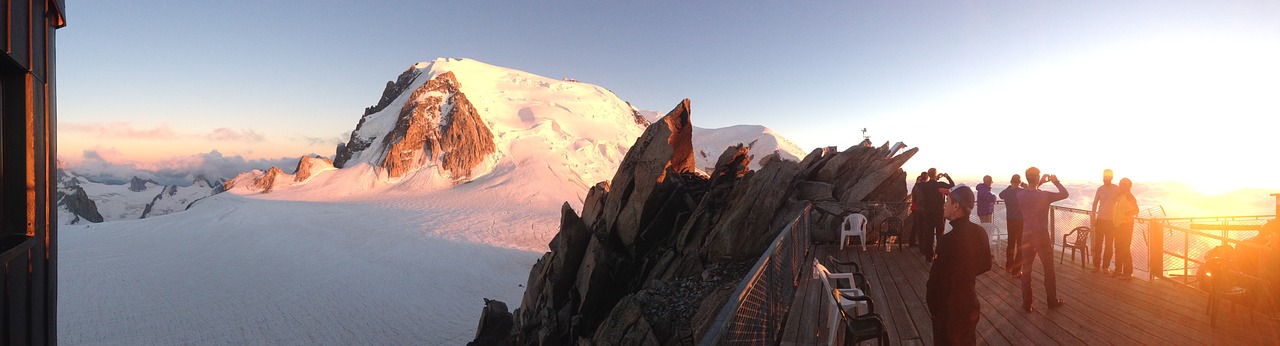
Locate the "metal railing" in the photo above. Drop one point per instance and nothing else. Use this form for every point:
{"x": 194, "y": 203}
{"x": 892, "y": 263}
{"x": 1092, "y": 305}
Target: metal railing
{"x": 758, "y": 308}
{"x": 1184, "y": 241}
{"x": 1063, "y": 220}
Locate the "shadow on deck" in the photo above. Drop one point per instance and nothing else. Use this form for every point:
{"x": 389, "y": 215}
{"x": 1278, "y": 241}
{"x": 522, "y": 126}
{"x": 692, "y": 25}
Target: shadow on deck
{"x": 1100, "y": 310}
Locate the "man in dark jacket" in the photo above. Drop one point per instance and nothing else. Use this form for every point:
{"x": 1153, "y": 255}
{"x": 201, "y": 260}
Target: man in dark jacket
{"x": 1013, "y": 226}
{"x": 962, "y": 255}
{"x": 917, "y": 221}
{"x": 931, "y": 210}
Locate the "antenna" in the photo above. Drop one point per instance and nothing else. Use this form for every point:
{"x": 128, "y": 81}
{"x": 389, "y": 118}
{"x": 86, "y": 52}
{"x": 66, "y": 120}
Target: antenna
{"x": 864, "y": 134}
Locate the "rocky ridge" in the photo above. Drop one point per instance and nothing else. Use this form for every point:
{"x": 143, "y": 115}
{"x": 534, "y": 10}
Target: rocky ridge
{"x": 656, "y": 251}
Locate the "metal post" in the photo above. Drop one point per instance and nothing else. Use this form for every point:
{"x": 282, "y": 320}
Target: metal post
{"x": 1277, "y": 196}
{"x": 1155, "y": 250}
{"x": 1053, "y": 230}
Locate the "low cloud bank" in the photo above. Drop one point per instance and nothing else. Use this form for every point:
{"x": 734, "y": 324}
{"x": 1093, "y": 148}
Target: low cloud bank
{"x": 102, "y": 167}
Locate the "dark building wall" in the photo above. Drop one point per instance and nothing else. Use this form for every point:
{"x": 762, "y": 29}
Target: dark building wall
{"x": 28, "y": 137}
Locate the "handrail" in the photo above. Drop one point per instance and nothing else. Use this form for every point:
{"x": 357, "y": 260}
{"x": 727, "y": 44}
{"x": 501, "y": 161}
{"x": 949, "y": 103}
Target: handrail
{"x": 724, "y": 322}
{"x": 1192, "y": 233}
{"x": 1245, "y": 217}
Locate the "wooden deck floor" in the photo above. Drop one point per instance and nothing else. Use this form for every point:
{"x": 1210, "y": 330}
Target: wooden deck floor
{"x": 1100, "y": 310}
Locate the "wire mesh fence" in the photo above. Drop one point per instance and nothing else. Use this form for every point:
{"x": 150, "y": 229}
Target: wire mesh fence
{"x": 1187, "y": 240}
{"x": 756, "y": 311}
{"x": 1061, "y": 221}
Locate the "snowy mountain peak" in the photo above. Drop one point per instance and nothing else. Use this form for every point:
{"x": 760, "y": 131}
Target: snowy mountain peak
{"x": 450, "y": 121}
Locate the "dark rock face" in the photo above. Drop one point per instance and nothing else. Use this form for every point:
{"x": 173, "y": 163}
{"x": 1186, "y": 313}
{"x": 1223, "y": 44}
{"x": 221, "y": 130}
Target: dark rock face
{"x": 308, "y": 166}
{"x": 658, "y": 250}
{"x": 393, "y": 89}
{"x": 78, "y": 202}
{"x": 138, "y": 184}
{"x": 438, "y": 123}
{"x": 495, "y": 325}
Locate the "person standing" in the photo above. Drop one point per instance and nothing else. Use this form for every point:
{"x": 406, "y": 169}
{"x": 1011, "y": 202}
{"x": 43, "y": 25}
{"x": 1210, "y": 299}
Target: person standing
{"x": 917, "y": 220}
{"x": 950, "y": 293}
{"x": 1103, "y": 243}
{"x": 1034, "y": 205}
{"x": 986, "y": 200}
{"x": 1013, "y": 229}
{"x": 931, "y": 210}
{"x": 1126, "y": 209}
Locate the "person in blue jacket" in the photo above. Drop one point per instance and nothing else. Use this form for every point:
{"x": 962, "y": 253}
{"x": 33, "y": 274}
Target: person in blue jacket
{"x": 986, "y": 200}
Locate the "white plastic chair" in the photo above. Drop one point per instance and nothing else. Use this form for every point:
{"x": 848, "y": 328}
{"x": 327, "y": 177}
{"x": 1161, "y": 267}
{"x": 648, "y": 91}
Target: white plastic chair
{"x": 850, "y": 307}
{"x": 854, "y": 225}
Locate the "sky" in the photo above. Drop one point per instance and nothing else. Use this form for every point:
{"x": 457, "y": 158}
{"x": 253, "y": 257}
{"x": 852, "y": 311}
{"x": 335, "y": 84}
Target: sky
{"x": 1159, "y": 91}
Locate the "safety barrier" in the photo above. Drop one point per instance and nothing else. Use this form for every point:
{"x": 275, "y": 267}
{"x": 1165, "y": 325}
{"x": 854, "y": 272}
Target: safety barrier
{"x": 758, "y": 308}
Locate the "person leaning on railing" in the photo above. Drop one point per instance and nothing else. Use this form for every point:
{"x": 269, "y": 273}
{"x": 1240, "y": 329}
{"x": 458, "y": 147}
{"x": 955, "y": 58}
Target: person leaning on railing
{"x": 1013, "y": 226}
{"x": 1125, "y": 211}
{"x": 1102, "y": 218}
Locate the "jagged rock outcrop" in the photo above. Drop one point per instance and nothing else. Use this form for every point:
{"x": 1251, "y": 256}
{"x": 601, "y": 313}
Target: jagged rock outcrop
{"x": 268, "y": 180}
{"x": 308, "y": 166}
{"x": 393, "y": 89}
{"x": 138, "y": 184}
{"x": 437, "y": 124}
{"x": 656, "y": 252}
{"x": 79, "y": 204}
{"x": 495, "y": 325}
{"x": 174, "y": 198}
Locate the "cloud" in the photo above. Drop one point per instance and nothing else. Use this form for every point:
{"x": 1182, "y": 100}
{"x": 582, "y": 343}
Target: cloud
{"x": 330, "y": 141}
{"x": 226, "y": 134}
{"x": 119, "y": 130}
{"x": 97, "y": 165}
{"x": 126, "y": 130}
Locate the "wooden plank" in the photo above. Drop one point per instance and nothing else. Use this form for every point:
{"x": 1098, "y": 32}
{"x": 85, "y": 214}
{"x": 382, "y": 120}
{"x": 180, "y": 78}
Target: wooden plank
{"x": 911, "y": 273}
{"x": 889, "y": 303}
{"x": 1119, "y": 306}
{"x": 1003, "y": 298}
{"x": 814, "y": 309}
{"x": 1099, "y": 310}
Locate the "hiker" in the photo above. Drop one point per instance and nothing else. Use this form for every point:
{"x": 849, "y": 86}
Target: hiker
{"x": 917, "y": 220}
{"x": 1034, "y": 205}
{"x": 1101, "y": 217}
{"x": 1126, "y": 209}
{"x": 986, "y": 200}
{"x": 931, "y": 209}
{"x": 963, "y": 254}
{"x": 1013, "y": 226}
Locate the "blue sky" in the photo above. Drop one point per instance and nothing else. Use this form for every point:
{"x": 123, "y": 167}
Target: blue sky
{"x": 1166, "y": 90}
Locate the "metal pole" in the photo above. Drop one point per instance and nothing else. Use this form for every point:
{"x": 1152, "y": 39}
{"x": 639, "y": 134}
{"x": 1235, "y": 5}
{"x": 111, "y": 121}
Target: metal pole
{"x": 1155, "y": 250}
{"x": 1053, "y": 230}
{"x": 1277, "y": 196}
{"x": 1186, "y": 252}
